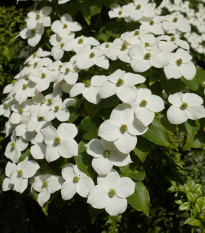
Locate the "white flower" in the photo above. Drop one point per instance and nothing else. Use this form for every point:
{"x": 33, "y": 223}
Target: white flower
{"x": 122, "y": 128}
{"x": 105, "y": 156}
{"x": 142, "y": 58}
{"x": 60, "y": 109}
{"x": 46, "y": 185}
{"x": 14, "y": 148}
{"x": 65, "y": 25}
{"x": 34, "y": 35}
{"x": 121, "y": 83}
{"x": 80, "y": 42}
{"x": 89, "y": 89}
{"x": 24, "y": 89}
{"x": 139, "y": 9}
{"x": 38, "y": 150}
{"x": 87, "y": 57}
{"x": 117, "y": 12}
{"x": 75, "y": 181}
{"x": 185, "y": 106}
{"x": 146, "y": 105}
{"x": 9, "y": 170}
{"x": 60, "y": 142}
{"x": 179, "y": 64}
{"x": 39, "y": 17}
{"x": 23, "y": 171}
{"x": 170, "y": 43}
{"x": 111, "y": 193}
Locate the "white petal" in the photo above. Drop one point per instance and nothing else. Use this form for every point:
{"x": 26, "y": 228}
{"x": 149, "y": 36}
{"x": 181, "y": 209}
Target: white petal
{"x": 116, "y": 206}
{"x": 196, "y": 113}
{"x": 192, "y": 99}
{"x": 38, "y": 151}
{"x": 171, "y": 71}
{"x": 52, "y": 153}
{"x": 102, "y": 166}
{"x": 176, "y": 115}
{"x": 68, "y": 190}
{"x": 124, "y": 187}
{"x": 68, "y": 148}
{"x": 94, "y": 148}
{"x": 30, "y": 169}
{"x": 67, "y": 172}
{"x": 43, "y": 197}
{"x": 98, "y": 197}
{"x": 122, "y": 93}
{"x": 84, "y": 186}
{"x": 109, "y": 130}
{"x": 126, "y": 143}
{"x": 155, "y": 103}
{"x": 119, "y": 159}
{"x": 77, "y": 89}
{"x": 66, "y": 130}
{"x": 49, "y": 134}
{"x": 188, "y": 70}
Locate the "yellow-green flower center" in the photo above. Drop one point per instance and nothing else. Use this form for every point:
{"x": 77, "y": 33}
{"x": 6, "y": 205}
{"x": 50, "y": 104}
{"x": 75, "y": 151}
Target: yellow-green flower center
{"x": 45, "y": 183}
{"x": 147, "y": 44}
{"x": 111, "y": 193}
{"x": 65, "y": 25}
{"x": 151, "y": 23}
{"x": 57, "y": 108}
{"x": 57, "y": 140}
{"x": 172, "y": 38}
{"x": 87, "y": 83}
{"x": 184, "y": 106}
{"x": 37, "y": 16}
{"x": 175, "y": 19}
{"x": 62, "y": 45}
{"x": 143, "y": 103}
{"x": 21, "y": 111}
{"x": 5, "y": 105}
{"x": 35, "y": 64}
{"x": 92, "y": 55}
{"x": 34, "y": 54}
{"x": 137, "y": 33}
{"x": 20, "y": 173}
{"x": 67, "y": 70}
{"x": 25, "y": 87}
{"x": 107, "y": 46}
{"x": 41, "y": 119}
{"x": 43, "y": 75}
{"x": 123, "y": 128}
{"x": 138, "y": 7}
{"x": 13, "y": 82}
{"x": 179, "y": 62}
{"x": 42, "y": 102}
{"x": 124, "y": 47}
{"x": 120, "y": 82}
{"x": 119, "y": 12}
{"x": 75, "y": 179}
{"x": 13, "y": 144}
{"x": 50, "y": 101}
{"x": 106, "y": 153}
{"x": 80, "y": 41}
{"x": 147, "y": 56}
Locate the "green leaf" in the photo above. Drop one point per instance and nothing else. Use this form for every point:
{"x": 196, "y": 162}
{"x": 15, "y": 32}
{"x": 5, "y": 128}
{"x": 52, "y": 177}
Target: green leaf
{"x": 24, "y": 155}
{"x": 192, "y": 222}
{"x": 185, "y": 206}
{"x": 89, "y": 128}
{"x": 200, "y": 74}
{"x": 89, "y": 9}
{"x": 143, "y": 148}
{"x": 158, "y": 134}
{"x": 83, "y": 161}
{"x": 139, "y": 176}
{"x": 140, "y": 199}
{"x": 191, "y": 84}
{"x": 172, "y": 85}
{"x": 198, "y": 142}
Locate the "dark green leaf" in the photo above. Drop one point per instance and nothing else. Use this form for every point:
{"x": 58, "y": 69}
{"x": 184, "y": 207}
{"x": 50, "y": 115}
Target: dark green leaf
{"x": 140, "y": 199}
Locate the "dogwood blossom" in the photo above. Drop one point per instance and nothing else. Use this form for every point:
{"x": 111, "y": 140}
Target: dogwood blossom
{"x": 76, "y": 181}
{"x": 111, "y": 192}
{"x": 185, "y": 106}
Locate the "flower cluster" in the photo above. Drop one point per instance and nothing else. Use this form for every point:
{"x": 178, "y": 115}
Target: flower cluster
{"x": 195, "y": 18}
{"x": 39, "y": 102}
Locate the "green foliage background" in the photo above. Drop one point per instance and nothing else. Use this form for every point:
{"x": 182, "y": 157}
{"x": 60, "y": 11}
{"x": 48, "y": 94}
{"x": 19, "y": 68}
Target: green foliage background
{"x": 173, "y": 177}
